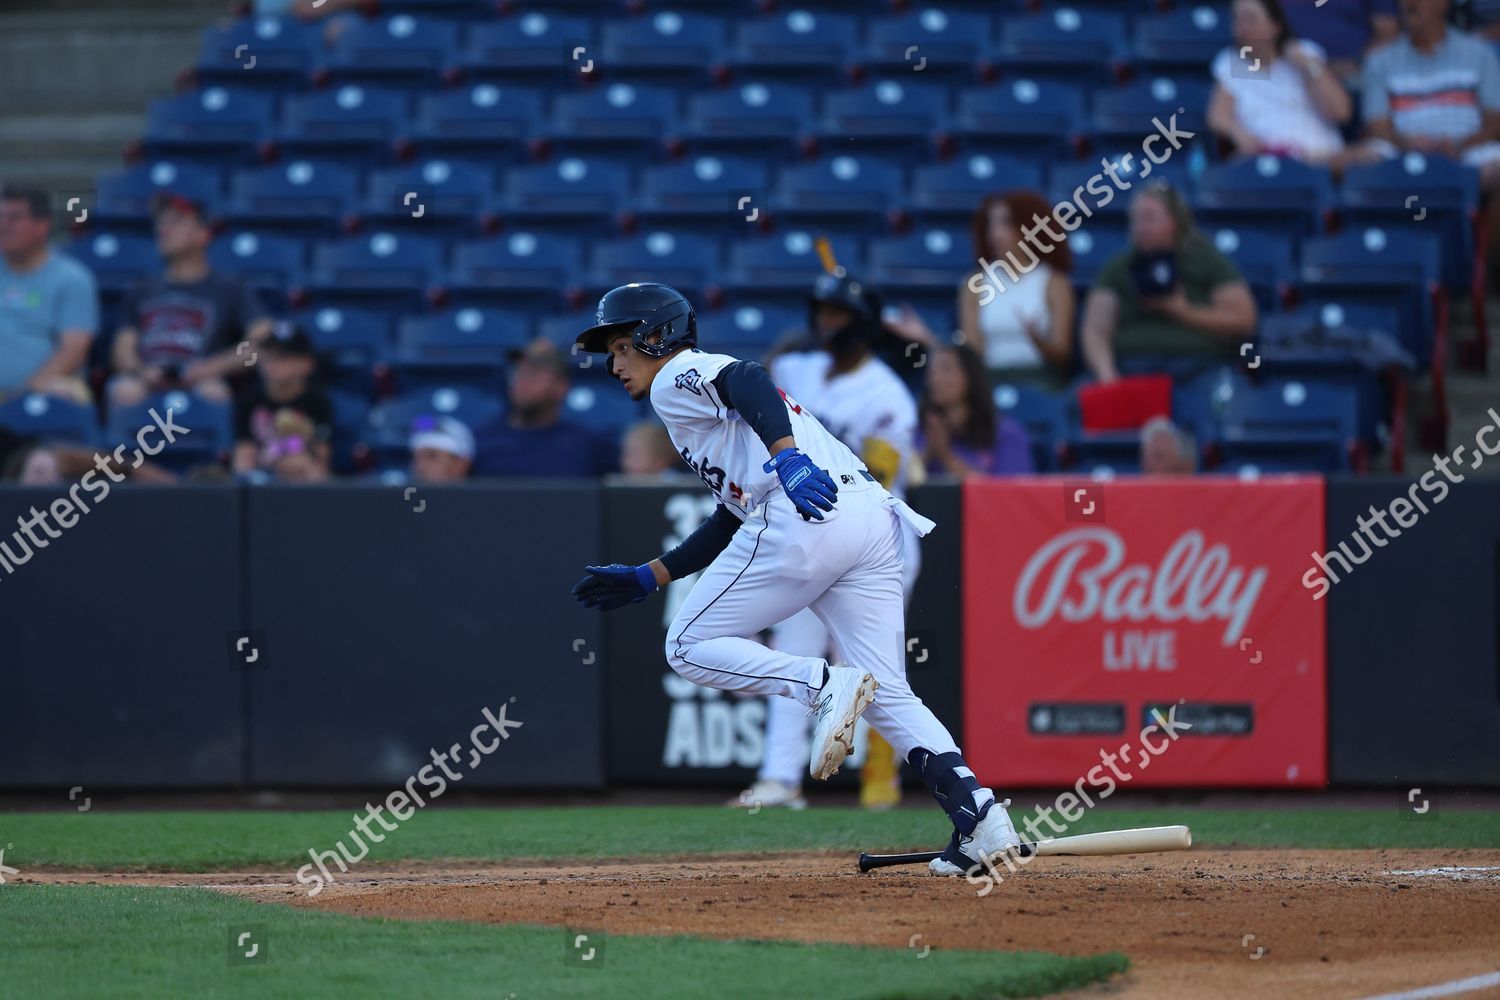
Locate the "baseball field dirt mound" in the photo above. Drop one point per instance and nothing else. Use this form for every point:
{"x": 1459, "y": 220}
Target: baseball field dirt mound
{"x": 1194, "y": 924}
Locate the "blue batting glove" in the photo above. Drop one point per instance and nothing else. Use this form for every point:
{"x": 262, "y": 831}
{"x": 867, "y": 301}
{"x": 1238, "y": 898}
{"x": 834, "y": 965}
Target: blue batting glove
{"x": 615, "y": 585}
{"x": 808, "y": 486}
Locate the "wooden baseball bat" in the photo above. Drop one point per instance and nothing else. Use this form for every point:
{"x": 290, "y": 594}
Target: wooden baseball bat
{"x": 1145, "y": 840}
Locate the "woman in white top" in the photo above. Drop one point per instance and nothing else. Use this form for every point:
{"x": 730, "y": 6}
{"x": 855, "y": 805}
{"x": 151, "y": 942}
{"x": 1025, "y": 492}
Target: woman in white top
{"x": 1016, "y": 308}
{"x": 1274, "y": 94}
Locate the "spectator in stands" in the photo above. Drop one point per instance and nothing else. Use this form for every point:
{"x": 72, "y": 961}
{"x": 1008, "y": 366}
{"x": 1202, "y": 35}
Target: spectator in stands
{"x": 442, "y": 450}
{"x": 647, "y": 451}
{"x": 1166, "y": 450}
{"x": 49, "y": 306}
{"x": 182, "y": 328}
{"x": 41, "y": 464}
{"x": 1435, "y": 90}
{"x": 1346, "y": 31}
{"x": 533, "y": 439}
{"x": 1273, "y": 92}
{"x": 1022, "y": 327}
{"x": 1169, "y": 299}
{"x": 962, "y": 433}
{"x": 283, "y": 426}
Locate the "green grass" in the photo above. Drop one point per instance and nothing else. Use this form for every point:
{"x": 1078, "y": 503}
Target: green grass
{"x": 76, "y": 941}
{"x": 208, "y": 841}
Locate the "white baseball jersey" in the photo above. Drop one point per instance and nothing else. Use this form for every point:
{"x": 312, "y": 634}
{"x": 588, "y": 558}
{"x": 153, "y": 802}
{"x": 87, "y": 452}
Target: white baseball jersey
{"x": 861, "y": 407}
{"x": 722, "y": 448}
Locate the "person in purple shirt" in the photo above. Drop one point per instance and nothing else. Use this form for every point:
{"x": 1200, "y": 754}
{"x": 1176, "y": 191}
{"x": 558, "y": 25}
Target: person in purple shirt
{"x": 533, "y": 439}
{"x": 1346, "y": 31}
{"x": 962, "y": 432}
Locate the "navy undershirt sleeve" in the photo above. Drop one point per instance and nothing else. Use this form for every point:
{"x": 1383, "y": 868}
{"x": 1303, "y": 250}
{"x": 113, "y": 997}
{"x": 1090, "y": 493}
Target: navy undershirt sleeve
{"x": 703, "y": 545}
{"x": 746, "y": 386}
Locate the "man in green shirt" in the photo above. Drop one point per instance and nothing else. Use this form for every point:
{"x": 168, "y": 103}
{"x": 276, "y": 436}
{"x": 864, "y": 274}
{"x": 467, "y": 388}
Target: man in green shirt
{"x": 1171, "y": 295}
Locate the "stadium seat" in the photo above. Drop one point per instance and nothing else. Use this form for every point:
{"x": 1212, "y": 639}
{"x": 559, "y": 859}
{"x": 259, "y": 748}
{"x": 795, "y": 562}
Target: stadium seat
{"x": 390, "y": 424}
{"x": 622, "y": 121}
{"x": 537, "y": 47}
{"x": 1032, "y": 119}
{"x": 602, "y": 407}
{"x": 883, "y": 116}
{"x": 685, "y": 261}
{"x": 302, "y": 197}
{"x": 350, "y": 342}
{"x": 1399, "y": 270}
{"x": 748, "y": 331}
{"x": 267, "y": 51}
{"x": 1265, "y": 192}
{"x": 1090, "y": 186}
{"x": 950, "y": 193}
{"x": 269, "y": 264}
{"x": 488, "y": 120}
{"x": 216, "y": 126}
{"x": 702, "y": 194}
{"x": 1043, "y": 414}
{"x": 351, "y": 413}
{"x": 1265, "y": 260}
{"x": 351, "y": 124}
{"x": 663, "y": 45}
{"x": 209, "y": 430}
{"x": 439, "y": 196}
{"x": 808, "y": 47}
{"x": 398, "y": 50}
{"x": 48, "y": 418}
{"x": 933, "y": 41}
{"x": 847, "y": 194}
{"x": 1092, "y": 248}
{"x": 752, "y": 119}
{"x": 1064, "y": 42}
{"x": 457, "y": 346}
{"x": 1185, "y": 39}
{"x": 379, "y": 266}
{"x": 572, "y": 195}
{"x": 926, "y": 260}
{"x": 1300, "y": 424}
{"x": 1123, "y": 117}
{"x": 117, "y": 260}
{"x": 123, "y": 199}
{"x": 784, "y": 262}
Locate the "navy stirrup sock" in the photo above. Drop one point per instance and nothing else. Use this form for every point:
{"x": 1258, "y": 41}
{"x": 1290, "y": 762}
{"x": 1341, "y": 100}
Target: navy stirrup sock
{"x": 954, "y": 787}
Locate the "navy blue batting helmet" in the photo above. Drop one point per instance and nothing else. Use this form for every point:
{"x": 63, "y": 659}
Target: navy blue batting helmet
{"x": 642, "y": 309}
{"x": 841, "y": 289}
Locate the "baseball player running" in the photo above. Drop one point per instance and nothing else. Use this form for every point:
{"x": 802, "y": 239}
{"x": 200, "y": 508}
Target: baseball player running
{"x": 801, "y": 523}
{"x": 857, "y": 397}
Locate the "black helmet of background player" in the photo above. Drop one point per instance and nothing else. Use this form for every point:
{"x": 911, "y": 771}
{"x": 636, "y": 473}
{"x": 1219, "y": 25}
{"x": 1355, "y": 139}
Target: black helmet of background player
{"x": 843, "y": 313}
{"x": 658, "y": 319}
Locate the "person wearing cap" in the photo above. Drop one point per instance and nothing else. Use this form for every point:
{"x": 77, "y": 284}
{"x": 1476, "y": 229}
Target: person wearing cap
{"x": 182, "y": 329}
{"x": 534, "y": 439}
{"x": 287, "y": 414}
{"x": 442, "y": 450}
{"x": 49, "y": 306}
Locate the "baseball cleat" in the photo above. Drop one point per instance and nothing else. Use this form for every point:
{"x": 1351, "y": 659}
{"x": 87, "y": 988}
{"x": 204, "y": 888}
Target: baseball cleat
{"x": 770, "y": 794}
{"x": 844, "y": 698}
{"x": 993, "y": 836}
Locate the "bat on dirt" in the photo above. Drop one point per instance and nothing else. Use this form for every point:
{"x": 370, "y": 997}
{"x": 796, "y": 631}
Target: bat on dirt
{"x": 1146, "y": 840}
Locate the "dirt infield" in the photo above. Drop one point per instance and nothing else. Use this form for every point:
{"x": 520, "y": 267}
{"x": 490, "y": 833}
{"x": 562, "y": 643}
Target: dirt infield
{"x": 1330, "y": 923}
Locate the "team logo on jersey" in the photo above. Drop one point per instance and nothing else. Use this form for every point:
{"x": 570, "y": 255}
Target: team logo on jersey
{"x": 691, "y": 381}
{"x": 712, "y": 475}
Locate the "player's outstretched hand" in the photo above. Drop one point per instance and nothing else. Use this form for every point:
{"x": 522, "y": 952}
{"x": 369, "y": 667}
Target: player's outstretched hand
{"x": 808, "y": 486}
{"x": 614, "y": 586}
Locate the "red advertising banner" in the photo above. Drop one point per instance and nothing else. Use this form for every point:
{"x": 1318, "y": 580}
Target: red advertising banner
{"x": 1093, "y": 610}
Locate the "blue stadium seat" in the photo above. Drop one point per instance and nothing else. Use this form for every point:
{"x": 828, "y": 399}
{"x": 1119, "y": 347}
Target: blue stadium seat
{"x": 1092, "y": 247}
{"x": 1109, "y": 199}
{"x": 216, "y": 126}
{"x": 1265, "y": 192}
{"x": 209, "y": 430}
{"x": 117, "y": 260}
{"x": 665, "y": 44}
{"x": 1429, "y": 195}
{"x": 351, "y": 412}
{"x": 379, "y": 266}
{"x": 1395, "y": 269}
{"x": 302, "y": 197}
{"x": 390, "y": 424}
{"x": 48, "y": 418}
{"x": 537, "y": 47}
{"x": 809, "y": 47}
{"x": 350, "y": 341}
{"x": 1300, "y": 424}
{"x": 521, "y": 270}
{"x": 602, "y": 407}
{"x": 620, "y": 121}
{"x": 491, "y": 120}
{"x": 1185, "y": 39}
{"x": 849, "y": 194}
{"x": 748, "y": 331}
{"x": 574, "y": 194}
{"x": 1043, "y": 414}
{"x": 925, "y": 260}
{"x": 457, "y": 346}
{"x": 1123, "y": 116}
{"x": 1063, "y": 42}
{"x": 1027, "y": 118}
{"x": 267, "y": 51}
{"x": 123, "y": 199}
{"x": 396, "y": 50}
{"x": 1264, "y": 259}
{"x": 351, "y": 124}
{"x": 785, "y": 262}
{"x": 703, "y": 194}
{"x": 685, "y": 261}
{"x": 439, "y": 196}
{"x": 269, "y": 264}
{"x": 950, "y": 193}
{"x": 883, "y": 116}
{"x": 562, "y": 330}
{"x": 754, "y": 119}
{"x": 932, "y": 41}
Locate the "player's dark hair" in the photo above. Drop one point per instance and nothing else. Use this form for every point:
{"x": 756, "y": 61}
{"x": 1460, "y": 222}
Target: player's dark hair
{"x": 978, "y": 430}
{"x": 38, "y": 201}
